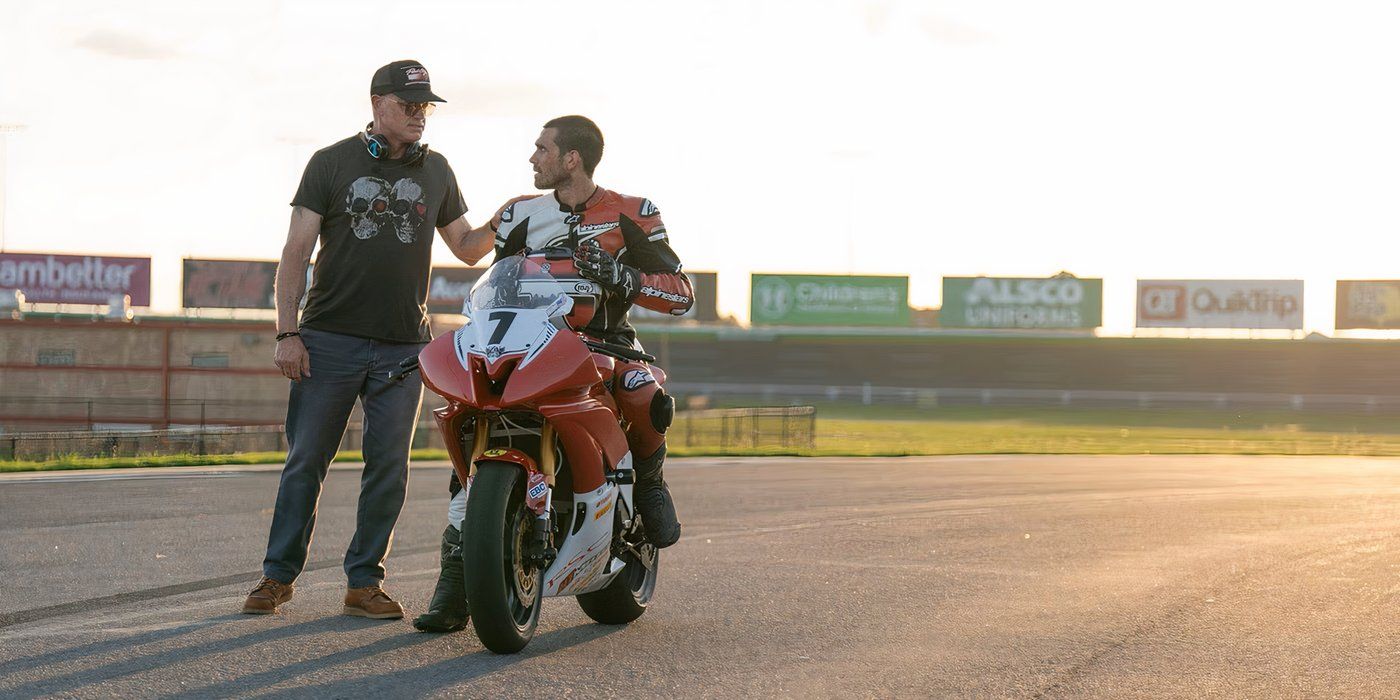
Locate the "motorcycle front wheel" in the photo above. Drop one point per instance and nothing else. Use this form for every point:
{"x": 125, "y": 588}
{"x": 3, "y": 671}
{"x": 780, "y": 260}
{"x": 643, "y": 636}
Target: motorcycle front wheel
{"x": 503, "y": 593}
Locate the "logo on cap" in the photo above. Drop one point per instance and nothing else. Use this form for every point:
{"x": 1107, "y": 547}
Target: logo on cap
{"x": 415, "y": 74}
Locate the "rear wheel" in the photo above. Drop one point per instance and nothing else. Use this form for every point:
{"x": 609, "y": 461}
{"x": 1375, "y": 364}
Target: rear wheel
{"x": 504, "y": 593}
{"x": 627, "y": 596}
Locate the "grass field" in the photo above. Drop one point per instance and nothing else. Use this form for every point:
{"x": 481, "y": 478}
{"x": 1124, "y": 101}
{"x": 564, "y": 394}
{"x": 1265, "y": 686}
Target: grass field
{"x": 891, "y": 431}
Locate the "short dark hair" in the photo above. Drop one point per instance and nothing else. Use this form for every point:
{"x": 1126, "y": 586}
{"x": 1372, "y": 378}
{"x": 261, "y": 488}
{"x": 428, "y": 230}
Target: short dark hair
{"x": 576, "y": 133}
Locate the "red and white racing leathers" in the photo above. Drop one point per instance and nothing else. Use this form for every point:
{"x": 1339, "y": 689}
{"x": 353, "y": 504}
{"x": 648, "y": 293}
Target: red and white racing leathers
{"x": 629, "y": 229}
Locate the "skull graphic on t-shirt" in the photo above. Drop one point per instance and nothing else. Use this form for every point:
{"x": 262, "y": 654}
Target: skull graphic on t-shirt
{"x": 377, "y": 207}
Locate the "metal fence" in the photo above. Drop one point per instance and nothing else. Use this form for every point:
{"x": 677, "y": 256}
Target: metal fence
{"x": 724, "y": 428}
{"x": 141, "y": 443}
{"x": 730, "y": 428}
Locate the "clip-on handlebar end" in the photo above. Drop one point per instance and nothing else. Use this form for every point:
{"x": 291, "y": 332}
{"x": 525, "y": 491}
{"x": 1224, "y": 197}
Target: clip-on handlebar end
{"x": 622, "y": 352}
{"x": 407, "y": 366}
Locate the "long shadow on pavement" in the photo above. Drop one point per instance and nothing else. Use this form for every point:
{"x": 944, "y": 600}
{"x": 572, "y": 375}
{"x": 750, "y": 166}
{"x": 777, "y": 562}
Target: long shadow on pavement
{"x": 127, "y": 643}
{"x": 71, "y": 682}
{"x": 251, "y": 683}
{"x": 433, "y": 678}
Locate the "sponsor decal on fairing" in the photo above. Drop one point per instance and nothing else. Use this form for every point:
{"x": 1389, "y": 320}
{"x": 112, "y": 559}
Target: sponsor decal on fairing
{"x": 537, "y": 491}
{"x": 603, "y": 511}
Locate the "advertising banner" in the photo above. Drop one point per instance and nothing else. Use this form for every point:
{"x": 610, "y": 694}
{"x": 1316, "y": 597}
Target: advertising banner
{"x": 228, "y": 284}
{"x": 705, "y": 285}
{"x": 1220, "y": 304}
{"x": 76, "y": 279}
{"x": 829, "y": 300}
{"x": 1368, "y": 304}
{"x": 448, "y": 287}
{"x": 1022, "y": 302}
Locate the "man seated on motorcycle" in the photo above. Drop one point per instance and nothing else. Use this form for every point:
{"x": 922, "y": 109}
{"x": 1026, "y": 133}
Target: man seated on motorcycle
{"x": 619, "y": 242}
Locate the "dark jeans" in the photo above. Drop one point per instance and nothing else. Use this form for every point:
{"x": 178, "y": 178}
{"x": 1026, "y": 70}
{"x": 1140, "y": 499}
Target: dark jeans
{"x": 344, "y": 368}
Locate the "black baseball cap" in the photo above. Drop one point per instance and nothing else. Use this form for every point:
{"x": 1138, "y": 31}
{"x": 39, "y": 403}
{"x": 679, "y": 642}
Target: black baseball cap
{"x": 407, "y": 79}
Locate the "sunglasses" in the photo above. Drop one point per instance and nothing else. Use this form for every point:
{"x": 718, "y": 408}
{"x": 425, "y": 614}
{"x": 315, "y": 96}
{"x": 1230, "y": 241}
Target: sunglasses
{"x": 414, "y": 109}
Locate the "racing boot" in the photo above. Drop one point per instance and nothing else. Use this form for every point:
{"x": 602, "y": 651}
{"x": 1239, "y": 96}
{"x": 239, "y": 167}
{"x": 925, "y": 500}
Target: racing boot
{"x": 447, "y": 611}
{"x": 654, "y": 502}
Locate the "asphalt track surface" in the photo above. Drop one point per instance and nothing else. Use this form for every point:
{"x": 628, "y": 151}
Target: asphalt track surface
{"x": 1025, "y": 576}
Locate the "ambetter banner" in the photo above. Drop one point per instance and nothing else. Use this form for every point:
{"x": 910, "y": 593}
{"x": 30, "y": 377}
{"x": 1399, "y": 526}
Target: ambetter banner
{"x": 1368, "y": 304}
{"x": 448, "y": 287}
{"x": 76, "y": 279}
{"x": 1220, "y": 304}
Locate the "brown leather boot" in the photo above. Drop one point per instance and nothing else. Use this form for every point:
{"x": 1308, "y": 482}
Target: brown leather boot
{"x": 372, "y": 602}
{"x": 266, "y": 596}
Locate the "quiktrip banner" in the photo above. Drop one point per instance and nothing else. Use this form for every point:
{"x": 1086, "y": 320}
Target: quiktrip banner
{"x": 76, "y": 279}
{"x": 1022, "y": 302}
{"x": 1245, "y": 304}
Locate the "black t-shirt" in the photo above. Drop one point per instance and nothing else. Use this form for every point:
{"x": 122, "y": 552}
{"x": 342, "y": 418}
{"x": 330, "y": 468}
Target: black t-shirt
{"x": 378, "y": 216}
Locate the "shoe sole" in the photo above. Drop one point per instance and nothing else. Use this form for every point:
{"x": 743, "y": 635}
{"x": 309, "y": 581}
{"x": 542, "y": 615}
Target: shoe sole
{"x": 258, "y": 611}
{"x": 361, "y": 612}
{"x": 439, "y": 629}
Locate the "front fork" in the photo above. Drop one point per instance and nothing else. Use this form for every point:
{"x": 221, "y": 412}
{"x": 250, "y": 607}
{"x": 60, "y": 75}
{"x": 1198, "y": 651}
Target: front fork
{"x": 540, "y": 475}
{"x": 543, "y": 552}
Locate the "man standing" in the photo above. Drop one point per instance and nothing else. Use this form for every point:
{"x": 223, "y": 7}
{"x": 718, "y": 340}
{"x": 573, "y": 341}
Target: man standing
{"x": 619, "y": 242}
{"x": 372, "y": 200}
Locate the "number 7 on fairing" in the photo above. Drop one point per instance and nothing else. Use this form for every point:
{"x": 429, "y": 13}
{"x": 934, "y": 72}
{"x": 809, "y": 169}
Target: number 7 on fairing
{"x": 503, "y": 320}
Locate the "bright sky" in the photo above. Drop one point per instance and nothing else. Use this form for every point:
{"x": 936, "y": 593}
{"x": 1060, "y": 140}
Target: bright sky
{"x": 1124, "y": 140}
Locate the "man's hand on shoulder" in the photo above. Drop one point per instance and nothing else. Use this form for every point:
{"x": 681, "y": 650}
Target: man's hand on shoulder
{"x": 469, "y": 244}
{"x": 499, "y": 219}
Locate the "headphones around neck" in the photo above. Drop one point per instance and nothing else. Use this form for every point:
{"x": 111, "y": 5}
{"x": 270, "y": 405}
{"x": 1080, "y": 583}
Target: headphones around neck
{"x": 378, "y": 148}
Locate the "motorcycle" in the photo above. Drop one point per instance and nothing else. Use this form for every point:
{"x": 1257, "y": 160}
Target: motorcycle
{"x": 535, "y": 438}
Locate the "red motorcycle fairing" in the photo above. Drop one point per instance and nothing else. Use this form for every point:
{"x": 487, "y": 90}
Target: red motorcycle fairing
{"x": 536, "y": 487}
{"x": 604, "y": 365}
{"x": 557, "y": 387}
{"x": 591, "y": 437}
{"x": 569, "y": 365}
{"x": 443, "y": 374}
{"x": 449, "y": 421}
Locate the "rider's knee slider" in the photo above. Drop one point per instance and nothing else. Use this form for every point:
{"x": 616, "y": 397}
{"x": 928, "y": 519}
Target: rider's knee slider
{"x": 663, "y": 411}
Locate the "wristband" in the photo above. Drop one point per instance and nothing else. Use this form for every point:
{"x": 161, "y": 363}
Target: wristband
{"x": 492, "y": 224}
{"x": 288, "y": 334}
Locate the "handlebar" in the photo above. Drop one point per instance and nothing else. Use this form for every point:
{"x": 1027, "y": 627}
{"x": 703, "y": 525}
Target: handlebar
{"x": 407, "y": 366}
{"x": 621, "y": 352}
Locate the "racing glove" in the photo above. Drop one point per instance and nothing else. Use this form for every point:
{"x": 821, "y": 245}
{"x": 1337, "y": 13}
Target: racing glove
{"x": 598, "y": 265}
